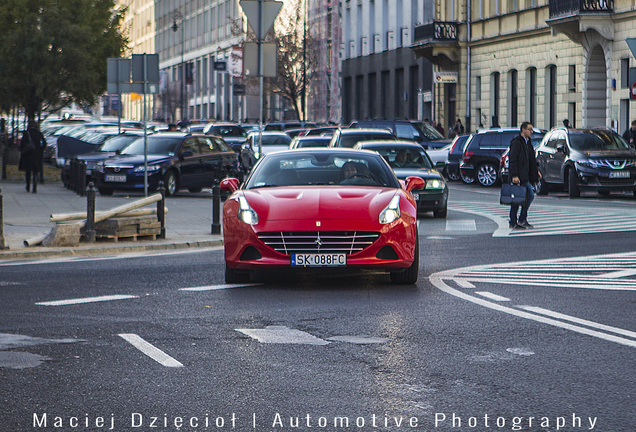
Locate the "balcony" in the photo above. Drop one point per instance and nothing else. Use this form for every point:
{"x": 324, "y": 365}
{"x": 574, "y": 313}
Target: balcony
{"x": 574, "y": 7}
{"x": 438, "y": 42}
{"x": 576, "y": 17}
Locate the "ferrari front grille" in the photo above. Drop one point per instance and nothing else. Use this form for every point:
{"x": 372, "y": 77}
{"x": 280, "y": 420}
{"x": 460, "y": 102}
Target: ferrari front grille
{"x": 289, "y": 242}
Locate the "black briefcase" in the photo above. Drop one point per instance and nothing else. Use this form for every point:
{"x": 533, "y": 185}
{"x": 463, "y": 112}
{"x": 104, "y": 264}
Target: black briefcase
{"x": 512, "y": 194}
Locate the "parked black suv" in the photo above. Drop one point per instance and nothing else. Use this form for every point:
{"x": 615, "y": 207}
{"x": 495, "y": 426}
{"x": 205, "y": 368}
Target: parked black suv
{"x": 593, "y": 159}
{"x": 483, "y": 151}
{"x": 423, "y": 134}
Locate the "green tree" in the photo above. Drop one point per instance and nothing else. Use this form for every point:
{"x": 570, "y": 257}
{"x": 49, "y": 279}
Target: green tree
{"x": 53, "y": 52}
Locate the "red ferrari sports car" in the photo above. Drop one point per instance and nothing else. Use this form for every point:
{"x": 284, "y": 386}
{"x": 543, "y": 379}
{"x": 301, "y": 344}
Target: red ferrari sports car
{"x": 321, "y": 207}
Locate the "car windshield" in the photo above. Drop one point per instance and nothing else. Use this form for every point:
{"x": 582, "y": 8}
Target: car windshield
{"x": 227, "y": 131}
{"x": 278, "y": 140}
{"x": 350, "y": 140}
{"x": 429, "y": 131}
{"x": 403, "y": 157}
{"x": 321, "y": 168}
{"x": 156, "y": 146}
{"x": 117, "y": 143}
{"x": 313, "y": 142}
{"x": 596, "y": 140}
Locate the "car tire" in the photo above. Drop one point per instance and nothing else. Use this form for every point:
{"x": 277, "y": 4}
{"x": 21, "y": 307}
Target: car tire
{"x": 195, "y": 190}
{"x": 453, "y": 174}
{"x": 466, "y": 178}
{"x": 542, "y": 187}
{"x": 441, "y": 214}
{"x": 105, "y": 191}
{"x": 573, "y": 188}
{"x": 171, "y": 184}
{"x": 486, "y": 175}
{"x": 233, "y": 276}
{"x": 409, "y": 276}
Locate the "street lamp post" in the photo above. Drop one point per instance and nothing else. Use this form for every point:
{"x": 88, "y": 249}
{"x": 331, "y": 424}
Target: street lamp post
{"x": 176, "y": 15}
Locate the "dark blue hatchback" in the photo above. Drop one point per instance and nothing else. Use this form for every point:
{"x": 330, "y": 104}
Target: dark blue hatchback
{"x": 182, "y": 161}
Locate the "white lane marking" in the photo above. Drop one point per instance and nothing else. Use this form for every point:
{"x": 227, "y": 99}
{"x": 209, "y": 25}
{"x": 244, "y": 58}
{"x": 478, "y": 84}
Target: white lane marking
{"x": 463, "y": 283}
{"x": 150, "y": 350}
{"x": 86, "y": 300}
{"x": 437, "y": 280}
{"x": 619, "y": 274}
{"x": 579, "y": 321}
{"x": 359, "y": 340}
{"x": 218, "y": 287}
{"x": 520, "y": 351}
{"x": 282, "y": 335}
{"x": 461, "y": 225}
{"x": 492, "y": 296}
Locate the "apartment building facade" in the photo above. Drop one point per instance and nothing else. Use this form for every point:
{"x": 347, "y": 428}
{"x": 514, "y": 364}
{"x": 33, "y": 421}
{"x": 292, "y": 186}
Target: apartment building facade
{"x": 382, "y": 77}
{"x": 541, "y": 61}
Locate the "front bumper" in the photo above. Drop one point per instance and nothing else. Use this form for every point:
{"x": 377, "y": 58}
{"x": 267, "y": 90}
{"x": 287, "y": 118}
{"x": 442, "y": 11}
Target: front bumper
{"x": 599, "y": 179}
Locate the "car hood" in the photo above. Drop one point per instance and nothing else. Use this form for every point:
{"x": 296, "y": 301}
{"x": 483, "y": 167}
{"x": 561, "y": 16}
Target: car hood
{"x": 96, "y": 156}
{"x": 403, "y": 173}
{"x": 319, "y": 203}
{"x": 614, "y": 154}
{"x": 130, "y": 160}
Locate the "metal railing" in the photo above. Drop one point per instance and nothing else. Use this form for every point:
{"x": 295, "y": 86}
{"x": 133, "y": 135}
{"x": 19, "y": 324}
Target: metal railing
{"x": 571, "y": 7}
{"x": 436, "y": 31}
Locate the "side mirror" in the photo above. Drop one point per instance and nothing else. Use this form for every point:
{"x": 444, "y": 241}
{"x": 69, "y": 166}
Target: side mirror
{"x": 560, "y": 148}
{"x": 229, "y": 184}
{"x": 440, "y": 164}
{"x": 187, "y": 153}
{"x": 414, "y": 183}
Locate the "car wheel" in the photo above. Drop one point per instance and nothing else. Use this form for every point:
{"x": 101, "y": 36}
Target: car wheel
{"x": 408, "y": 276}
{"x": 573, "y": 188}
{"x": 233, "y": 276}
{"x": 453, "y": 174}
{"x": 541, "y": 187}
{"x": 170, "y": 183}
{"x": 466, "y": 178}
{"x": 441, "y": 214}
{"x": 486, "y": 175}
{"x": 105, "y": 191}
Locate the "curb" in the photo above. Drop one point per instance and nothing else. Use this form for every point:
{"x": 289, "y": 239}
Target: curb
{"x": 89, "y": 250}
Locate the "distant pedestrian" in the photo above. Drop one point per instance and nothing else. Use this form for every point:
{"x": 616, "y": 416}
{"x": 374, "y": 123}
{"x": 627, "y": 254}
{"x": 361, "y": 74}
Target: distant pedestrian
{"x": 630, "y": 135}
{"x": 172, "y": 127}
{"x": 460, "y": 127}
{"x": 32, "y": 148}
{"x": 566, "y": 123}
{"x": 523, "y": 170}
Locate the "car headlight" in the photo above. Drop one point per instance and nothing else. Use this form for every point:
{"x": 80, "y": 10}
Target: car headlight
{"x": 246, "y": 213}
{"x": 151, "y": 168}
{"x": 588, "y": 163}
{"x": 434, "y": 184}
{"x": 391, "y": 212}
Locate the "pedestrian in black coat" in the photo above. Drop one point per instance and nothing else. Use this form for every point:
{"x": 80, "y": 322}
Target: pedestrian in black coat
{"x": 630, "y": 135}
{"x": 523, "y": 170}
{"x": 32, "y": 148}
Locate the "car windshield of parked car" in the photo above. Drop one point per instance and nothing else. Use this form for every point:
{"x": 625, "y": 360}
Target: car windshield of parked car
{"x": 350, "y": 140}
{"x": 279, "y": 140}
{"x": 156, "y": 146}
{"x": 321, "y": 168}
{"x": 429, "y": 131}
{"x": 227, "y": 131}
{"x": 596, "y": 140}
{"x": 413, "y": 158}
{"x": 117, "y": 142}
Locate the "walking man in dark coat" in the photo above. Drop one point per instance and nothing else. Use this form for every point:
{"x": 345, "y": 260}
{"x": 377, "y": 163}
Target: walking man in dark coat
{"x": 630, "y": 135}
{"x": 32, "y": 148}
{"x": 524, "y": 171}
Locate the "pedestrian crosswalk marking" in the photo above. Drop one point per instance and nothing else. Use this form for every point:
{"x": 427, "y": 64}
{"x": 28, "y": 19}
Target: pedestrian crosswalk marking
{"x": 548, "y": 220}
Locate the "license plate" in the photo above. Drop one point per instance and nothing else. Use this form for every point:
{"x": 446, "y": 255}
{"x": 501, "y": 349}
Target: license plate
{"x": 619, "y": 174}
{"x": 115, "y": 178}
{"x": 319, "y": 260}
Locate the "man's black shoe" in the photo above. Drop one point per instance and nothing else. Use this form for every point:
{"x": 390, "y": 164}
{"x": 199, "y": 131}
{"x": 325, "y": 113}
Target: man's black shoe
{"x": 526, "y": 225}
{"x": 519, "y": 227}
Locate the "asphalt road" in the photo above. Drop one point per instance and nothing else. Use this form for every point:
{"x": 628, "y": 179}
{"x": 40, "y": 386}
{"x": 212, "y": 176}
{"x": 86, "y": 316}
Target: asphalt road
{"x": 547, "y": 346}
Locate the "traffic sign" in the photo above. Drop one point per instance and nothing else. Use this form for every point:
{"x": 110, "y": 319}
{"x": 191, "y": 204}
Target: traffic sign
{"x": 269, "y": 11}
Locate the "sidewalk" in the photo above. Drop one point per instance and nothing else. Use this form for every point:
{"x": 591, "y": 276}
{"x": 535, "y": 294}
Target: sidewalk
{"x": 26, "y": 215}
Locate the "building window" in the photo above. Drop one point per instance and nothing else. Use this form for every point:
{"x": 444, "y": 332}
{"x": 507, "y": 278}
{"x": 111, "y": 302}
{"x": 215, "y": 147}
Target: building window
{"x": 572, "y": 78}
{"x": 531, "y": 95}
{"x": 478, "y": 88}
{"x": 550, "y": 94}
{"x": 625, "y": 73}
{"x": 494, "y": 99}
{"x": 513, "y": 98}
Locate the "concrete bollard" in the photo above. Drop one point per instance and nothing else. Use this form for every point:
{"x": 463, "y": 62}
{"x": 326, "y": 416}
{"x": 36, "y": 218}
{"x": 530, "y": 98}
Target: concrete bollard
{"x": 89, "y": 232}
